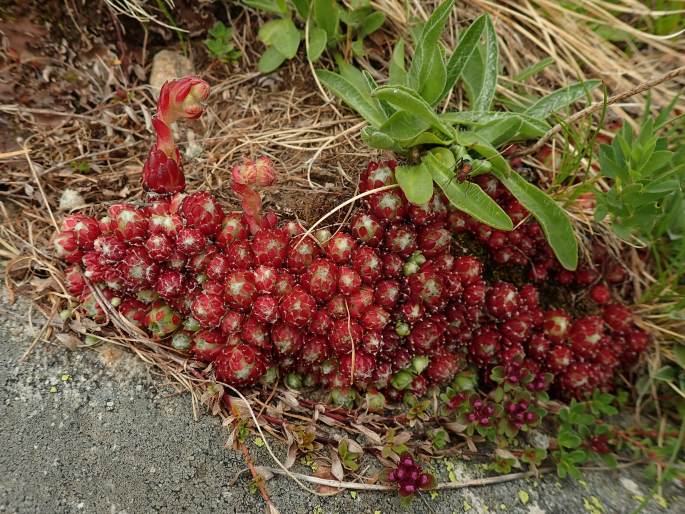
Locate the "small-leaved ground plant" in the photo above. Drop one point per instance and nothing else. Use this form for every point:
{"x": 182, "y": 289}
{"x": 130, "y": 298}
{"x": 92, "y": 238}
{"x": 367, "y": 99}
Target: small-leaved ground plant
{"x": 328, "y": 24}
{"x": 220, "y": 44}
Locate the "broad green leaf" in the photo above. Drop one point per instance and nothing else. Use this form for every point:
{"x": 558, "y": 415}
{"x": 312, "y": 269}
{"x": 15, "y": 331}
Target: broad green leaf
{"x": 404, "y": 127}
{"x": 416, "y": 182}
{"x": 500, "y": 132}
{"x": 372, "y": 23}
{"x": 568, "y": 439}
{"x": 270, "y": 60}
{"x": 273, "y": 6}
{"x": 534, "y": 69}
{"x": 427, "y": 138}
{"x": 473, "y": 75}
{"x": 436, "y": 75}
{"x": 530, "y": 127}
{"x": 317, "y": 43}
{"x": 377, "y": 139}
{"x": 445, "y": 157}
{"x": 302, "y": 7}
{"x": 658, "y": 160}
{"x": 679, "y": 354}
{"x": 461, "y": 55}
{"x": 281, "y": 34}
{"x": 554, "y": 221}
{"x": 357, "y": 47}
{"x": 352, "y": 97}
{"x": 397, "y": 73}
{"x": 561, "y": 98}
{"x": 355, "y": 76}
{"x": 419, "y": 71}
{"x": 467, "y": 196}
{"x": 326, "y": 17}
{"x": 486, "y": 94}
{"x": 405, "y": 99}
{"x": 666, "y": 374}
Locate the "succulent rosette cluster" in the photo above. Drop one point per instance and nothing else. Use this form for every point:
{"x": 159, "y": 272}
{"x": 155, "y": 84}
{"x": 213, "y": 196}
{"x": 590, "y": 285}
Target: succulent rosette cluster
{"x": 389, "y": 303}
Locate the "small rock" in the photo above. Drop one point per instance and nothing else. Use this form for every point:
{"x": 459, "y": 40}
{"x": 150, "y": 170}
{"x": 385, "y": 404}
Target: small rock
{"x": 70, "y": 200}
{"x": 168, "y": 65}
{"x": 538, "y": 439}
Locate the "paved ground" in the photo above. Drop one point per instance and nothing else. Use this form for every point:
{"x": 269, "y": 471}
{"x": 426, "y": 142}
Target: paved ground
{"x": 93, "y": 431}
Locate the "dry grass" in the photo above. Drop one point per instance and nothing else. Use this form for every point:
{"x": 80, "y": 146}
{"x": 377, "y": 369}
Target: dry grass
{"x": 318, "y": 153}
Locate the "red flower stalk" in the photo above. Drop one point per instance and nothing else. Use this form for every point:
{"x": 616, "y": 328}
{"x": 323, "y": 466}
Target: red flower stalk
{"x": 252, "y": 173}
{"x": 163, "y": 170}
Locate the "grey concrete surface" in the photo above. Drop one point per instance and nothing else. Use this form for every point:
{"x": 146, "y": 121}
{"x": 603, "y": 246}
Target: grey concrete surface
{"x": 95, "y": 431}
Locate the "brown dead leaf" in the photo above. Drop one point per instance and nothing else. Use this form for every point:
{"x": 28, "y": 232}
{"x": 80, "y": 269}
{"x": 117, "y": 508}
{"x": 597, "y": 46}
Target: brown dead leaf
{"x": 372, "y": 436}
{"x": 336, "y": 466}
{"x": 324, "y": 471}
{"x": 401, "y": 438}
{"x": 455, "y": 427}
{"x": 70, "y": 341}
{"x": 353, "y": 446}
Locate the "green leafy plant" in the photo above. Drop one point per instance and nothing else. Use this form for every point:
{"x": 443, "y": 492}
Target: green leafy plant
{"x": 581, "y": 437}
{"x": 327, "y": 24}
{"x": 220, "y": 43}
{"x": 402, "y": 116}
{"x": 646, "y": 197}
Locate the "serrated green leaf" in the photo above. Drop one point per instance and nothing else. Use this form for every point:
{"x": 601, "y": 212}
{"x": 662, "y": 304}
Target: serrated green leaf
{"x": 397, "y": 73}
{"x": 416, "y": 182}
{"x": 467, "y": 196}
{"x": 561, "y": 98}
{"x": 419, "y": 71}
{"x": 317, "y": 43}
{"x": 461, "y": 55}
{"x": 281, "y": 34}
{"x": 326, "y": 17}
{"x": 354, "y": 98}
{"x": 554, "y": 221}
{"x": 371, "y": 23}
{"x": 486, "y": 94}
{"x": 406, "y": 99}
{"x": 500, "y": 132}
{"x": 270, "y": 60}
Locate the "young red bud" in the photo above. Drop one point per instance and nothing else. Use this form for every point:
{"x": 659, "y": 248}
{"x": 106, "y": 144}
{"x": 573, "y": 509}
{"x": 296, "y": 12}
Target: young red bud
{"x": 182, "y": 98}
{"x": 163, "y": 174}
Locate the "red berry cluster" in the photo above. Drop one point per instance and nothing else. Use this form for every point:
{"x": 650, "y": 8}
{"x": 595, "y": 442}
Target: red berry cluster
{"x": 409, "y": 477}
{"x": 480, "y": 412}
{"x": 518, "y": 413}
